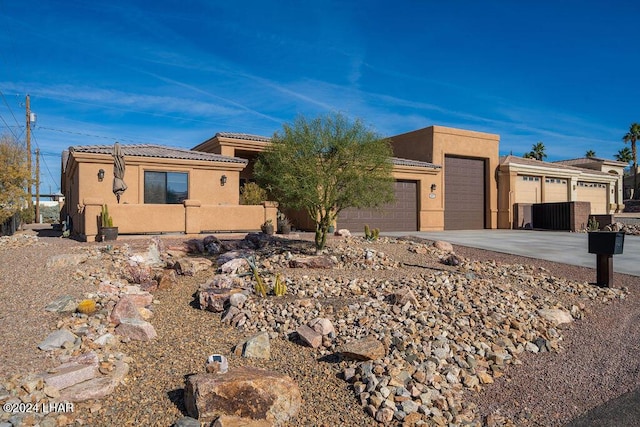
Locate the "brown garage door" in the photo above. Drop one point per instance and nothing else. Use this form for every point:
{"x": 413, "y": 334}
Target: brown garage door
{"x": 464, "y": 193}
{"x": 399, "y": 215}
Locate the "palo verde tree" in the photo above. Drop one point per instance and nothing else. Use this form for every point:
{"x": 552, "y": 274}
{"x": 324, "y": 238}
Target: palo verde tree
{"x": 14, "y": 177}
{"x": 632, "y": 137}
{"x": 324, "y": 165}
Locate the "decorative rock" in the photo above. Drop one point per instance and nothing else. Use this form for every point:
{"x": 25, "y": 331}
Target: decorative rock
{"x": 64, "y": 304}
{"x": 256, "y": 346}
{"x": 343, "y": 232}
{"x": 212, "y": 245}
{"x": 367, "y": 348}
{"x": 404, "y": 296}
{"x": 139, "y": 297}
{"x": 56, "y": 339}
{"x": 384, "y": 415}
{"x": 443, "y": 246}
{"x": 235, "y": 266}
{"x": 237, "y": 299}
{"x": 322, "y": 326}
{"x": 311, "y": 262}
{"x": 168, "y": 279}
{"x": 309, "y": 336}
{"x": 124, "y": 308}
{"x": 190, "y": 266}
{"x": 96, "y": 388}
{"x": 213, "y": 299}
{"x": 69, "y": 375}
{"x": 66, "y": 260}
{"x": 136, "y": 329}
{"x": 244, "y": 391}
{"x": 556, "y": 316}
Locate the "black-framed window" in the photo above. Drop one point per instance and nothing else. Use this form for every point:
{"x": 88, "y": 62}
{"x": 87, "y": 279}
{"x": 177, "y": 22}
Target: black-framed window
{"x": 166, "y": 187}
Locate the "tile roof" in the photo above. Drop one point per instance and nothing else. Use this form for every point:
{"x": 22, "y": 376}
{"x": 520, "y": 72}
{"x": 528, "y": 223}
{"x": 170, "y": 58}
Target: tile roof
{"x": 160, "y": 151}
{"x": 408, "y": 162}
{"x": 584, "y": 160}
{"x": 245, "y": 136}
{"x": 506, "y": 160}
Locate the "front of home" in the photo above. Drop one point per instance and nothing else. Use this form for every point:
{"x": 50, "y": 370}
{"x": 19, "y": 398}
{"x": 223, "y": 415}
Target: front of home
{"x": 445, "y": 179}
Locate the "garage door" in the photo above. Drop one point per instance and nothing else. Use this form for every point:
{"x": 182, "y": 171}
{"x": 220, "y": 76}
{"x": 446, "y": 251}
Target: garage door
{"x": 595, "y": 193}
{"x": 555, "y": 190}
{"x": 528, "y": 189}
{"x": 399, "y": 215}
{"x": 464, "y": 193}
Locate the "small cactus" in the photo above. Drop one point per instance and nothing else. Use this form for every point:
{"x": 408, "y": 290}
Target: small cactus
{"x": 279, "y": 286}
{"x": 370, "y": 234}
{"x": 87, "y": 306}
{"x": 260, "y": 288}
{"x": 105, "y": 218}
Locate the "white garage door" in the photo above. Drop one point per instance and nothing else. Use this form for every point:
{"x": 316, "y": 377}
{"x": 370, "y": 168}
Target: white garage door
{"x": 595, "y": 193}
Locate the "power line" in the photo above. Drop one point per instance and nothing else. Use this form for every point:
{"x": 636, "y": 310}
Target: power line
{"x": 43, "y": 161}
{"x": 9, "y": 107}
{"x": 92, "y": 136}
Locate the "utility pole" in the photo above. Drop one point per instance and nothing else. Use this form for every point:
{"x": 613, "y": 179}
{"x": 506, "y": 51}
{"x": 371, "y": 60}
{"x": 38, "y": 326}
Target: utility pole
{"x": 28, "y": 138}
{"x": 37, "y": 185}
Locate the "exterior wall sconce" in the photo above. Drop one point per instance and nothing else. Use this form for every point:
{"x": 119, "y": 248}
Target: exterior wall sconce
{"x": 433, "y": 188}
{"x": 101, "y": 175}
{"x": 223, "y": 180}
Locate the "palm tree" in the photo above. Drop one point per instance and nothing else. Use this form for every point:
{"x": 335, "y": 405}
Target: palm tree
{"x": 624, "y": 155}
{"x": 590, "y": 154}
{"x": 631, "y": 137}
{"x": 537, "y": 152}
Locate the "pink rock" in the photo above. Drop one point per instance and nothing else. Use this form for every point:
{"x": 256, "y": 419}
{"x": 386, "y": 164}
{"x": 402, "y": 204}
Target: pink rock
{"x": 190, "y": 266}
{"x": 124, "y": 308}
{"x": 213, "y": 299}
{"x": 309, "y": 336}
{"x": 96, "y": 388}
{"x": 232, "y": 421}
{"x": 322, "y": 326}
{"x": 443, "y": 246}
{"x": 168, "y": 279}
{"x": 245, "y": 392}
{"x": 136, "y": 329}
{"x": 71, "y": 374}
{"x": 141, "y": 299}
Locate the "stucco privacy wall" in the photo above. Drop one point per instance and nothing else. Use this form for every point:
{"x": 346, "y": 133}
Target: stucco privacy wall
{"x": 433, "y": 144}
{"x": 211, "y": 205}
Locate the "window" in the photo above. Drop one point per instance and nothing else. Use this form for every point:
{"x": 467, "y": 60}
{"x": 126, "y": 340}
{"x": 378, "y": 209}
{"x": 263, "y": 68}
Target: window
{"x": 530, "y": 178}
{"x": 166, "y": 187}
{"x": 555, "y": 181}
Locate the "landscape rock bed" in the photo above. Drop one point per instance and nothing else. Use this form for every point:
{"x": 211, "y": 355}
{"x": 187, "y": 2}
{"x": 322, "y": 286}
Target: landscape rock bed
{"x": 445, "y": 331}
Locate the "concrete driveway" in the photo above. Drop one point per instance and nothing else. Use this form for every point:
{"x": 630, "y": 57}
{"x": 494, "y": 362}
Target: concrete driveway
{"x": 559, "y": 246}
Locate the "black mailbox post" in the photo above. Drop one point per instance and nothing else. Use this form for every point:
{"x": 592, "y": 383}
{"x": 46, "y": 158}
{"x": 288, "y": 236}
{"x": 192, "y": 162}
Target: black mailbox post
{"x": 605, "y": 244}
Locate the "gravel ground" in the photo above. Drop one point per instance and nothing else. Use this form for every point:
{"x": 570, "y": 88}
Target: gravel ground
{"x": 598, "y": 361}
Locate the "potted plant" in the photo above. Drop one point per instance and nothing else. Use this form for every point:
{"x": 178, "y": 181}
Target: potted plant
{"x": 267, "y": 227}
{"x": 107, "y": 230}
{"x": 284, "y": 225}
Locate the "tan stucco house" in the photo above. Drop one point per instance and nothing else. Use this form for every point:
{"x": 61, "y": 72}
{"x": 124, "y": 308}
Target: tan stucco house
{"x": 445, "y": 179}
{"x": 170, "y": 190}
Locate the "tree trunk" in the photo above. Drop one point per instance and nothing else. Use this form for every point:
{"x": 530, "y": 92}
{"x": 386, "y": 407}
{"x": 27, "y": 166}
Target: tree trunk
{"x": 636, "y": 193}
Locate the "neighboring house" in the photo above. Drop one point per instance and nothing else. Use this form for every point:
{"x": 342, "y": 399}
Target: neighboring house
{"x": 524, "y": 181}
{"x": 445, "y": 179}
{"x": 170, "y": 190}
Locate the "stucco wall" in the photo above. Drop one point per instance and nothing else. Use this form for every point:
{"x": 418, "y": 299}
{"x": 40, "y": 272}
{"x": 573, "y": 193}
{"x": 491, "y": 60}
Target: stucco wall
{"x": 432, "y": 144}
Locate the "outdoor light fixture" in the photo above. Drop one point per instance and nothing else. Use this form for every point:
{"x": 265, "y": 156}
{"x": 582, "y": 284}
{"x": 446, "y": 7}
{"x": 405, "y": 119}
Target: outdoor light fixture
{"x": 223, "y": 180}
{"x": 100, "y": 175}
{"x": 433, "y": 188}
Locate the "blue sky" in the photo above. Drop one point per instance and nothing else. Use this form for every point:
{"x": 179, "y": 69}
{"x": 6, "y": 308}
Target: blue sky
{"x": 175, "y": 73}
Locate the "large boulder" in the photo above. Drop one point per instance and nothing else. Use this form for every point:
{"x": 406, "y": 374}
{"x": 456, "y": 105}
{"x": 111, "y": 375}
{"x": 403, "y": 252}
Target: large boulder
{"x": 124, "y": 308}
{"x": 245, "y": 392}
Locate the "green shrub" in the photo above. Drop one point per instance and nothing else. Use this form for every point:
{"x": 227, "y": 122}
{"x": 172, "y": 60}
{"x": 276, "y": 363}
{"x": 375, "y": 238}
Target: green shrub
{"x": 252, "y": 194}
